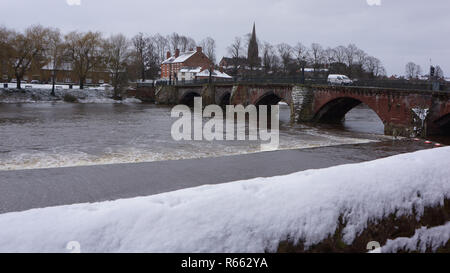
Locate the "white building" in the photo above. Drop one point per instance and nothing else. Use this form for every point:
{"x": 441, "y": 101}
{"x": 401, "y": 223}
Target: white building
{"x": 188, "y": 73}
{"x": 193, "y": 73}
{"x": 216, "y": 74}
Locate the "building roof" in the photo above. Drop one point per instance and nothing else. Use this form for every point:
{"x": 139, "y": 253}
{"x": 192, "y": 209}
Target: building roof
{"x": 215, "y": 74}
{"x": 181, "y": 58}
{"x": 238, "y": 61}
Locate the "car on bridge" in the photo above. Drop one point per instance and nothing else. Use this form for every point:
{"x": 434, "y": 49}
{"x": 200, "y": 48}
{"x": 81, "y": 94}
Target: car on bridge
{"x": 336, "y": 79}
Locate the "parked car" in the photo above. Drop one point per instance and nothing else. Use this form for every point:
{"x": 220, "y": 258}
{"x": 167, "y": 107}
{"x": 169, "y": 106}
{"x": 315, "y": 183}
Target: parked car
{"x": 336, "y": 79}
{"x": 15, "y": 81}
{"x": 105, "y": 85}
{"x": 35, "y": 82}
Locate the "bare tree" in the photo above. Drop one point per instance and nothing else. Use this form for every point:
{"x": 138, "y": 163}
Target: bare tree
{"x": 316, "y": 56}
{"x": 339, "y": 54}
{"x": 175, "y": 41}
{"x": 209, "y": 48}
{"x": 146, "y": 56}
{"x": 183, "y": 43}
{"x": 412, "y": 70}
{"x": 6, "y": 38}
{"x": 270, "y": 59}
{"x": 28, "y": 48}
{"x": 285, "y": 53}
{"x": 301, "y": 54}
{"x": 191, "y": 43}
{"x": 186, "y": 43}
{"x": 140, "y": 44}
{"x": 350, "y": 54}
{"x": 235, "y": 51}
{"x": 116, "y": 51}
{"x": 55, "y": 51}
{"x": 360, "y": 61}
{"x": 439, "y": 73}
{"x": 84, "y": 52}
{"x": 374, "y": 67}
{"x": 162, "y": 46}
{"x": 328, "y": 56}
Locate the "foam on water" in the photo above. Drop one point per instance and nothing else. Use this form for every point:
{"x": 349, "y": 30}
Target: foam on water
{"x": 39, "y": 160}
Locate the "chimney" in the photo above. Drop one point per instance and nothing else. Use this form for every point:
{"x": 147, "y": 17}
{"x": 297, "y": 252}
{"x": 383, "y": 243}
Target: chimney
{"x": 199, "y": 49}
{"x": 177, "y": 53}
{"x": 168, "y": 54}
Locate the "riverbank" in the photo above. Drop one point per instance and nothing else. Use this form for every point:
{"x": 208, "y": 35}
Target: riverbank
{"x": 337, "y": 209}
{"x": 88, "y": 95}
{"x": 26, "y": 189}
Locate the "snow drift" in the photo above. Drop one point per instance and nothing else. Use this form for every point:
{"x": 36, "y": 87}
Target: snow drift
{"x": 245, "y": 216}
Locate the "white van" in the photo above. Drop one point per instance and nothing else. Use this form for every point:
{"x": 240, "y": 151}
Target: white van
{"x": 336, "y": 79}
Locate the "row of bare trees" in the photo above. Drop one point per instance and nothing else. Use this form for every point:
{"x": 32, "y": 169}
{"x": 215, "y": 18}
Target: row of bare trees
{"x": 124, "y": 59}
{"x": 414, "y": 71}
{"x": 289, "y": 60}
{"x": 39, "y": 46}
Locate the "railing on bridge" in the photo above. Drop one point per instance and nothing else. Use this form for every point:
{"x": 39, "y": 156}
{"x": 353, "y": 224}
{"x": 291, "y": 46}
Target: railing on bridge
{"x": 402, "y": 84}
{"x": 397, "y": 84}
{"x": 267, "y": 80}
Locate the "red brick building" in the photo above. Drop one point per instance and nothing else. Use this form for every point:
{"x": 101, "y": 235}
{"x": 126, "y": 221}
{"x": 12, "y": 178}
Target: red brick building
{"x": 64, "y": 74}
{"x": 172, "y": 65}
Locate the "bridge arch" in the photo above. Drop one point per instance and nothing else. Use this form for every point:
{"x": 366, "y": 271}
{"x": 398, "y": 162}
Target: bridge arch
{"x": 269, "y": 98}
{"x": 274, "y": 98}
{"x": 188, "y": 98}
{"x": 225, "y": 99}
{"x": 334, "y": 110}
{"x": 443, "y": 125}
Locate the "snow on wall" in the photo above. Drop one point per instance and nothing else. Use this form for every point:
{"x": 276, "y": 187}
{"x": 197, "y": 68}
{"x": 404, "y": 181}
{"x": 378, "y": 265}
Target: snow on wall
{"x": 244, "y": 216}
{"x": 91, "y": 95}
{"x": 424, "y": 239}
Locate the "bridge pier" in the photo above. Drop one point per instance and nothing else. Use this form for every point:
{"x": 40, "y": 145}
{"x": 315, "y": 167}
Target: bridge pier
{"x": 302, "y": 109}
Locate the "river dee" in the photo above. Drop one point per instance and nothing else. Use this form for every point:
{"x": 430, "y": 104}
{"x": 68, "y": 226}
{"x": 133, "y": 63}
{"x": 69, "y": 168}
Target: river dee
{"x": 45, "y": 135}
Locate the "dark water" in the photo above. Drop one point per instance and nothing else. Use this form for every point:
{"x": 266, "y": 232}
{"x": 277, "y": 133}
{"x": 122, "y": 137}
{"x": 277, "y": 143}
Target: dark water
{"x": 43, "y": 135}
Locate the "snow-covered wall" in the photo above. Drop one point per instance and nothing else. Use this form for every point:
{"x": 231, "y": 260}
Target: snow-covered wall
{"x": 245, "y": 216}
{"x": 89, "y": 95}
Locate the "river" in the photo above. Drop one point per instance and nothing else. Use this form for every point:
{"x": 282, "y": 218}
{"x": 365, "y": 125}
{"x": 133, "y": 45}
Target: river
{"x": 57, "y": 134}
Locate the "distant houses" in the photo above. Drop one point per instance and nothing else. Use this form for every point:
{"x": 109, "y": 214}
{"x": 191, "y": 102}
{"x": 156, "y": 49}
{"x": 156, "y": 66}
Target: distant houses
{"x": 64, "y": 74}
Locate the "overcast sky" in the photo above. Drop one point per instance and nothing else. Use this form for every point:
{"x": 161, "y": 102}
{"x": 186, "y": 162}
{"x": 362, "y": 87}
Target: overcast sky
{"x": 396, "y": 31}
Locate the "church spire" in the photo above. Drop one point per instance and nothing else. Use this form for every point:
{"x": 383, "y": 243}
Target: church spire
{"x": 253, "y": 54}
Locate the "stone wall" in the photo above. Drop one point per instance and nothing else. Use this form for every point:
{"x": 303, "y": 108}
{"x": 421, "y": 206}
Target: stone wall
{"x": 145, "y": 94}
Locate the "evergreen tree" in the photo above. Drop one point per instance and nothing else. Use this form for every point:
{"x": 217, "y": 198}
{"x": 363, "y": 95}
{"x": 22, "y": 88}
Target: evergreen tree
{"x": 252, "y": 57}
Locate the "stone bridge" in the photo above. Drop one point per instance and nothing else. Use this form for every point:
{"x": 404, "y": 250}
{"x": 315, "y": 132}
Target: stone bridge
{"x": 404, "y": 112}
